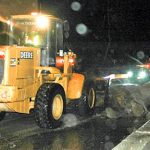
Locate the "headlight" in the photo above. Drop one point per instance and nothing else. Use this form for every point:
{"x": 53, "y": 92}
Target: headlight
{"x": 142, "y": 75}
{"x": 42, "y": 22}
{"x": 130, "y": 74}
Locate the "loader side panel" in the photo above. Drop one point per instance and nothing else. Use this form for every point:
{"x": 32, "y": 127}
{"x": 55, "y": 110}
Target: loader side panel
{"x": 75, "y": 86}
{"x": 20, "y": 63}
{"x": 26, "y": 63}
{"x": 25, "y": 68}
{"x": 20, "y": 79}
{"x": 10, "y": 66}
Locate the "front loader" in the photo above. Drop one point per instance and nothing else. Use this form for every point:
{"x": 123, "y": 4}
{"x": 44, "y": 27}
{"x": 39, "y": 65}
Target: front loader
{"x": 37, "y": 73}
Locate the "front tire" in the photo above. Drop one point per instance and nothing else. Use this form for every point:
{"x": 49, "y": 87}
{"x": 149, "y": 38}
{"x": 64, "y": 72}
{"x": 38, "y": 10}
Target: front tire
{"x": 2, "y": 115}
{"x": 49, "y": 105}
{"x": 88, "y": 99}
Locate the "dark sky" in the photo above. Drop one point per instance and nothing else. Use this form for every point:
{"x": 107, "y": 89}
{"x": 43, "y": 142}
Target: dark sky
{"x": 126, "y": 20}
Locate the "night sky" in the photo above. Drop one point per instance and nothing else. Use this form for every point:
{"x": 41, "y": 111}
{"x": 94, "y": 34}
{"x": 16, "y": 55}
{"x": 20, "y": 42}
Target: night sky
{"x": 126, "y": 20}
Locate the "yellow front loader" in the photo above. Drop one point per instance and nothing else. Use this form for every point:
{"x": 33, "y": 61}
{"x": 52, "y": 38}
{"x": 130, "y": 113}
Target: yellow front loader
{"x": 37, "y": 73}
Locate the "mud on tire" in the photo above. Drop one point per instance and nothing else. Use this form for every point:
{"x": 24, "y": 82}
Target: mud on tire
{"x": 49, "y": 105}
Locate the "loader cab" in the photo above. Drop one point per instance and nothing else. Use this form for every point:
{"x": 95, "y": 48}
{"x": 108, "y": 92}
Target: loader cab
{"x": 4, "y": 36}
{"x": 41, "y": 31}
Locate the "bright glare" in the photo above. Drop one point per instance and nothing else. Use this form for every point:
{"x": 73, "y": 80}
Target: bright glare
{"x": 76, "y": 6}
{"x": 36, "y": 40}
{"x": 81, "y": 29}
{"x": 42, "y": 22}
{"x": 34, "y": 13}
{"x": 142, "y": 75}
{"x": 9, "y": 22}
{"x": 130, "y": 74}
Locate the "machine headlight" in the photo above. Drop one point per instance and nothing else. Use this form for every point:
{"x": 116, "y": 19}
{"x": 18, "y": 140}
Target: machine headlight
{"x": 142, "y": 75}
{"x": 42, "y": 22}
{"x": 130, "y": 74}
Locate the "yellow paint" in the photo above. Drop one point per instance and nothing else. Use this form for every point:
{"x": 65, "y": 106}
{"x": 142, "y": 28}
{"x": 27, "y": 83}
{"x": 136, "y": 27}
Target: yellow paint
{"x": 57, "y": 107}
{"x": 18, "y": 106}
{"x": 23, "y": 77}
{"x": 75, "y": 86}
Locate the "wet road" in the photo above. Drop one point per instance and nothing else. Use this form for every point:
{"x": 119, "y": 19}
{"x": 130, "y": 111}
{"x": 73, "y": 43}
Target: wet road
{"x": 19, "y": 132}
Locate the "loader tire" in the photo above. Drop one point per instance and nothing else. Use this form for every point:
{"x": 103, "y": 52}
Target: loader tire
{"x": 88, "y": 99}
{"x": 2, "y": 115}
{"x": 50, "y": 105}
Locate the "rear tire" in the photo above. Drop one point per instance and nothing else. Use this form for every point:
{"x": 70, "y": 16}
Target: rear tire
{"x": 49, "y": 105}
{"x": 88, "y": 99}
{"x": 2, "y": 115}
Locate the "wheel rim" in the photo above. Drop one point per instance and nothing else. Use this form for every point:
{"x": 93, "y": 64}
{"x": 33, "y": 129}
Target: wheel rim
{"x": 91, "y": 98}
{"x": 57, "y": 107}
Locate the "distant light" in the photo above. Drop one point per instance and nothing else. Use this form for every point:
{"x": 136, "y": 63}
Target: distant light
{"x": 142, "y": 75}
{"x": 130, "y": 74}
{"x": 76, "y": 6}
{"x": 81, "y": 29}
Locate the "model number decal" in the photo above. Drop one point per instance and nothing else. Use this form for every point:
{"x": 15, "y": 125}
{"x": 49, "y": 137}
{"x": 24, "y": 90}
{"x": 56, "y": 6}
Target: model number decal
{"x": 26, "y": 55}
